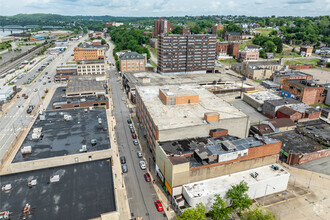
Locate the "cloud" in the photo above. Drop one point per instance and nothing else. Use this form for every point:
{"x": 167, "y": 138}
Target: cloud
{"x": 300, "y": 1}
{"x": 259, "y": 2}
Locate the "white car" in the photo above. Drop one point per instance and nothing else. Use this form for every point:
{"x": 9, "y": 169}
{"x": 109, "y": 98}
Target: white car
{"x": 142, "y": 165}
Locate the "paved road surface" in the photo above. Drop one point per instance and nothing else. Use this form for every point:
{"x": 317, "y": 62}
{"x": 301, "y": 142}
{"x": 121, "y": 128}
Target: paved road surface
{"x": 141, "y": 194}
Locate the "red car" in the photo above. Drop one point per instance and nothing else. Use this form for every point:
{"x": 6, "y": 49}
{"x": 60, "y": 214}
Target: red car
{"x": 134, "y": 136}
{"x": 159, "y": 206}
{"x": 147, "y": 177}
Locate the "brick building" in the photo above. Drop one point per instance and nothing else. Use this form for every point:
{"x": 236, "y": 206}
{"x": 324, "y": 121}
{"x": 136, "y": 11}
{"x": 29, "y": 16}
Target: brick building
{"x": 65, "y": 71}
{"x": 305, "y": 90}
{"x": 306, "y": 51}
{"x": 186, "y": 53}
{"x": 227, "y": 48}
{"x": 217, "y": 28}
{"x": 132, "y": 62}
{"x": 88, "y": 54}
{"x": 96, "y": 42}
{"x": 233, "y": 36}
{"x": 248, "y": 55}
{"x": 185, "y": 31}
{"x": 280, "y": 76}
{"x": 161, "y": 26}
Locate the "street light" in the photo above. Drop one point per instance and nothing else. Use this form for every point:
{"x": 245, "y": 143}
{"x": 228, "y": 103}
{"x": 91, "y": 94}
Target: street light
{"x": 263, "y": 203}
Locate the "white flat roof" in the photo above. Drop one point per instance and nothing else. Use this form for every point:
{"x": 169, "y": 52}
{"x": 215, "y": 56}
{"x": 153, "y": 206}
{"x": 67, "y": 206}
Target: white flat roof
{"x": 224, "y": 183}
{"x": 262, "y": 96}
{"x": 185, "y": 115}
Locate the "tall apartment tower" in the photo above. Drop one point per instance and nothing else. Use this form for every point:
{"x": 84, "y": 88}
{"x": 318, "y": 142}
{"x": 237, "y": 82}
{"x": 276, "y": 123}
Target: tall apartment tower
{"x": 186, "y": 53}
{"x": 162, "y": 27}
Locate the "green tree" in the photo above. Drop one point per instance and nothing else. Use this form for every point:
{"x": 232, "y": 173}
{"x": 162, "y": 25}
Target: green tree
{"x": 238, "y": 196}
{"x": 219, "y": 209}
{"x": 262, "y": 53}
{"x": 99, "y": 38}
{"x": 258, "y": 213}
{"x": 270, "y": 46}
{"x": 327, "y": 65}
{"x": 197, "y": 213}
{"x": 195, "y": 29}
{"x": 177, "y": 30}
{"x": 103, "y": 41}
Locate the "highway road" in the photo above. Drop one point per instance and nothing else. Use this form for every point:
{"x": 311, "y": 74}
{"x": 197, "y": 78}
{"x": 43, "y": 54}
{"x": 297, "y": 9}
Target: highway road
{"x": 16, "y": 116}
{"x": 141, "y": 194}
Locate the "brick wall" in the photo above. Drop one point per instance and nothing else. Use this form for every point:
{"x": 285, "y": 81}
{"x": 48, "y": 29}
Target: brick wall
{"x": 301, "y": 67}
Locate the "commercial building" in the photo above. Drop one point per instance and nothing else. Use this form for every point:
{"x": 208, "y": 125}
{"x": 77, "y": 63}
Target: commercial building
{"x": 306, "y": 51}
{"x": 6, "y": 39}
{"x": 161, "y": 26}
{"x": 41, "y": 37}
{"x": 326, "y": 113}
{"x": 88, "y": 54}
{"x": 270, "y": 85}
{"x": 205, "y": 191}
{"x": 227, "y": 48}
{"x": 257, "y": 99}
{"x": 186, "y": 53}
{"x": 7, "y": 93}
{"x": 306, "y": 91}
{"x": 113, "y": 23}
{"x": 280, "y": 76}
{"x": 132, "y": 62}
{"x": 233, "y": 36}
{"x": 63, "y": 72}
{"x": 91, "y": 68}
{"x": 187, "y": 111}
{"x": 187, "y": 161}
{"x": 248, "y": 55}
{"x": 85, "y": 86}
{"x": 96, "y": 42}
{"x": 309, "y": 141}
{"x": 289, "y": 108}
{"x": 271, "y": 126}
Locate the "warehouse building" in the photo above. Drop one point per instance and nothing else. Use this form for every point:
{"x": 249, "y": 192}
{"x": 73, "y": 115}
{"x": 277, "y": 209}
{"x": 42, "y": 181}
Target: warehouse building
{"x": 257, "y": 99}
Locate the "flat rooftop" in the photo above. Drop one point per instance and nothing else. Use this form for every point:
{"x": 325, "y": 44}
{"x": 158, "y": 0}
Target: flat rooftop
{"x": 286, "y": 101}
{"x": 306, "y": 138}
{"x": 84, "y": 191}
{"x": 262, "y": 96}
{"x": 59, "y": 98}
{"x": 79, "y": 84}
{"x": 156, "y": 79}
{"x": 292, "y": 73}
{"x": 212, "y": 186}
{"x": 185, "y": 115}
{"x": 65, "y": 137}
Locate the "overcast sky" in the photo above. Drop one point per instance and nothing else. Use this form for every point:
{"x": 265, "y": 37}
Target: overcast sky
{"x": 167, "y": 7}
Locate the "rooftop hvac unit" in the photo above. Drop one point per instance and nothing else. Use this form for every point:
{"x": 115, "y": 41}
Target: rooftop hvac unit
{"x": 26, "y": 150}
{"x": 93, "y": 142}
{"x": 42, "y": 117}
{"x": 85, "y": 110}
{"x": 54, "y": 179}
{"x": 67, "y": 117}
{"x": 6, "y": 187}
{"x": 91, "y": 108}
{"x": 100, "y": 121}
{"x": 83, "y": 148}
{"x": 275, "y": 167}
{"x": 254, "y": 175}
{"x": 32, "y": 182}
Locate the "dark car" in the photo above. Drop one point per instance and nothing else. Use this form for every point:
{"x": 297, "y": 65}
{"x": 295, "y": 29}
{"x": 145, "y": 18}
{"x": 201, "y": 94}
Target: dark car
{"x": 122, "y": 160}
{"x": 124, "y": 168}
{"x": 134, "y": 136}
{"x": 147, "y": 177}
{"x": 26, "y": 97}
{"x": 129, "y": 121}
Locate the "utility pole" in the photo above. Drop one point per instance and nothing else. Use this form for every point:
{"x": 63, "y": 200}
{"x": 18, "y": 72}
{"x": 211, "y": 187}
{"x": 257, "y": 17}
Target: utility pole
{"x": 263, "y": 202}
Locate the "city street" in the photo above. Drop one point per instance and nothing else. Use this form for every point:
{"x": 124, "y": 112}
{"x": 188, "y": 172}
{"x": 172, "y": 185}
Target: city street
{"x": 141, "y": 194}
{"x": 16, "y": 117}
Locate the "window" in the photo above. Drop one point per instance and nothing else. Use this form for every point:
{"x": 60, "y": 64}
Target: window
{"x": 188, "y": 101}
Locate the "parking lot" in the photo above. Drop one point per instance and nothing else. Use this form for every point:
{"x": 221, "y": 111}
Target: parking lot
{"x": 320, "y": 166}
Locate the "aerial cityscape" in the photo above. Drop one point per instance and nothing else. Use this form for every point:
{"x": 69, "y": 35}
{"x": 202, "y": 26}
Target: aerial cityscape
{"x": 154, "y": 110}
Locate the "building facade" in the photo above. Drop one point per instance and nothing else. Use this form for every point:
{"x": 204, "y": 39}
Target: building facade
{"x": 306, "y": 51}
{"x": 248, "y": 55}
{"x": 233, "y": 36}
{"x": 279, "y": 77}
{"x": 186, "y": 53}
{"x": 91, "y": 68}
{"x": 88, "y": 54}
{"x": 132, "y": 62}
{"x": 161, "y": 26}
{"x": 306, "y": 91}
{"x": 217, "y": 28}
{"x": 227, "y": 48}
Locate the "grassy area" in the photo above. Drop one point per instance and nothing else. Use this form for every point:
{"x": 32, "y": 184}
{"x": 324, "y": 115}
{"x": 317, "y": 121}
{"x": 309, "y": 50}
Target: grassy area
{"x": 302, "y": 62}
{"x": 321, "y": 105}
{"x": 71, "y": 63}
{"x": 228, "y": 61}
{"x": 264, "y": 31}
{"x": 258, "y": 80}
{"x": 152, "y": 50}
{"x": 286, "y": 54}
{"x": 243, "y": 45}
{"x": 152, "y": 63}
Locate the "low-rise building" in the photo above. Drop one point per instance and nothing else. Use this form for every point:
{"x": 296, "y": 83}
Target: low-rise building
{"x": 41, "y": 37}
{"x": 271, "y": 126}
{"x": 306, "y": 91}
{"x": 132, "y": 62}
{"x": 280, "y": 76}
{"x": 325, "y": 112}
{"x": 96, "y": 42}
{"x": 306, "y": 51}
{"x": 91, "y": 68}
{"x": 7, "y": 93}
{"x": 227, "y": 48}
{"x": 63, "y": 72}
{"x": 186, "y": 111}
{"x": 85, "y": 86}
{"x": 88, "y": 54}
{"x": 6, "y": 39}
{"x": 233, "y": 36}
{"x": 217, "y": 28}
{"x": 246, "y": 55}
{"x": 270, "y": 85}
{"x": 257, "y": 99}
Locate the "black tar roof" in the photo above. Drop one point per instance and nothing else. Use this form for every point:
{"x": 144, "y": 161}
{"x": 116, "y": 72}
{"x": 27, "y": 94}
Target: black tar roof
{"x": 280, "y": 102}
{"x": 67, "y": 137}
{"x": 84, "y": 191}
{"x": 306, "y": 138}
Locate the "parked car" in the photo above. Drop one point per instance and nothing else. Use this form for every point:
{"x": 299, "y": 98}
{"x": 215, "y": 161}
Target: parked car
{"x": 129, "y": 121}
{"x": 139, "y": 154}
{"x": 159, "y": 206}
{"x": 30, "y": 109}
{"x": 132, "y": 130}
{"x": 23, "y": 95}
{"x": 130, "y": 126}
{"x": 122, "y": 160}
{"x": 134, "y": 136}
{"x": 147, "y": 177}
{"x": 26, "y": 97}
{"x": 142, "y": 165}
{"x": 135, "y": 142}
{"x": 124, "y": 168}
